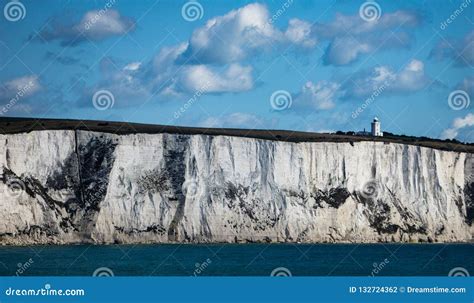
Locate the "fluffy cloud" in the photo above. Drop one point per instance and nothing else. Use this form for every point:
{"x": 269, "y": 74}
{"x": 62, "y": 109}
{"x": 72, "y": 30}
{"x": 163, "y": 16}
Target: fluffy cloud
{"x": 95, "y": 25}
{"x": 325, "y": 95}
{"x": 462, "y": 52}
{"x": 299, "y": 33}
{"x": 135, "y": 83}
{"x": 123, "y": 82}
{"x": 21, "y": 87}
{"x": 211, "y": 61}
{"x": 14, "y": 93}
{"x": 134, "y": 66}
{"x": 246, "y": 31}
{"x": 457, "y": 125}
{"x": 237, "y": 120}
{"x": 410, "y": 78}
{"x": 234, "y": 78}
{"x": 241, "y": 33}
{"x": 319, "y": 96}
{"x": 170, "y": 78}
{"x": 350, "y": 36}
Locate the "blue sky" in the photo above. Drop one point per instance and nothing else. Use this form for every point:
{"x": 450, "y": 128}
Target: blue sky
{"x": 304, "y": 65}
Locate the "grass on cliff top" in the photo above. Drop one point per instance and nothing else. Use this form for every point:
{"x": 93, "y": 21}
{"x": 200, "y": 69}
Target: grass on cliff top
{"x": 22, "y": 125}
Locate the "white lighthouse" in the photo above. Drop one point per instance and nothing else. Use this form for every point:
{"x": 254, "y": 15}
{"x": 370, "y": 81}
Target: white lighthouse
{"x": 376, "y": 128}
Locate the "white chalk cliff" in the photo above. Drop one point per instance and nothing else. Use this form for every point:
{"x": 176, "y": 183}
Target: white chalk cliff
{"x": 66, "y": 186}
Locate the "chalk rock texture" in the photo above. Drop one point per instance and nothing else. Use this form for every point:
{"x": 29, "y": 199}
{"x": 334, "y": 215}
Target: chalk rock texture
{"x": 66, "y": 186}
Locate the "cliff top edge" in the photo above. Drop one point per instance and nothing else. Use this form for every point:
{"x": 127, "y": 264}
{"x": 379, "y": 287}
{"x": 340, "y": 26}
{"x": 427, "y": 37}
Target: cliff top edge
{"x": 26, "y": 125}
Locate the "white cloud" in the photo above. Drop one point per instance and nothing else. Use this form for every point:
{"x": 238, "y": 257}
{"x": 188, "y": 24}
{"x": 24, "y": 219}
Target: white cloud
{"x": 124, "y": 82}
{"x": 457, "y": 125}
{"x": 241, "y": 33}
{"x": 95, "y": 25}
{"x": 410, "y": 78}
{"x": 344, "y": 50}
{"x": 22, "y": 87}
{"x": 234, "y": 120}
{"x": 232, "y": 37}
{"x": 464, "y": 122}
{"x": 132, "y": 66}
{"x": 234, "y": 78}
{"x": 172, "y": 79}
{"x": 350, "y": 36}
{"x": 211, "y": 61}
{"x": 325, "y": 95}
{"x": 354, "y": 24}
{"x": 299, "y": 33}
{"x": 319, "y": 96}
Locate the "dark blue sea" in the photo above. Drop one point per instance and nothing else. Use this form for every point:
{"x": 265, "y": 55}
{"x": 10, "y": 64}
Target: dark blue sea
{"x": 238, "y": 260}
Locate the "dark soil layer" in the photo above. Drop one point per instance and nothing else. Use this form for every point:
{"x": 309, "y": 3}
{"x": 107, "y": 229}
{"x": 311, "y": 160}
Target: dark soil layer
{"x": 21, "y": 125}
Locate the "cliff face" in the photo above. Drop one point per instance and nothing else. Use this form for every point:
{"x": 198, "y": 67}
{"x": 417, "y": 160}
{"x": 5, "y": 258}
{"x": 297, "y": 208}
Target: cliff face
{"x": 78, "y": 186}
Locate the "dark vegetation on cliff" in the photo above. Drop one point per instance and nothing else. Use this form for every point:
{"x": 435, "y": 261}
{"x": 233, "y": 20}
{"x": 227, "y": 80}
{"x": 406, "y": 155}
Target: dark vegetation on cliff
{"x": 21, "y": 125}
